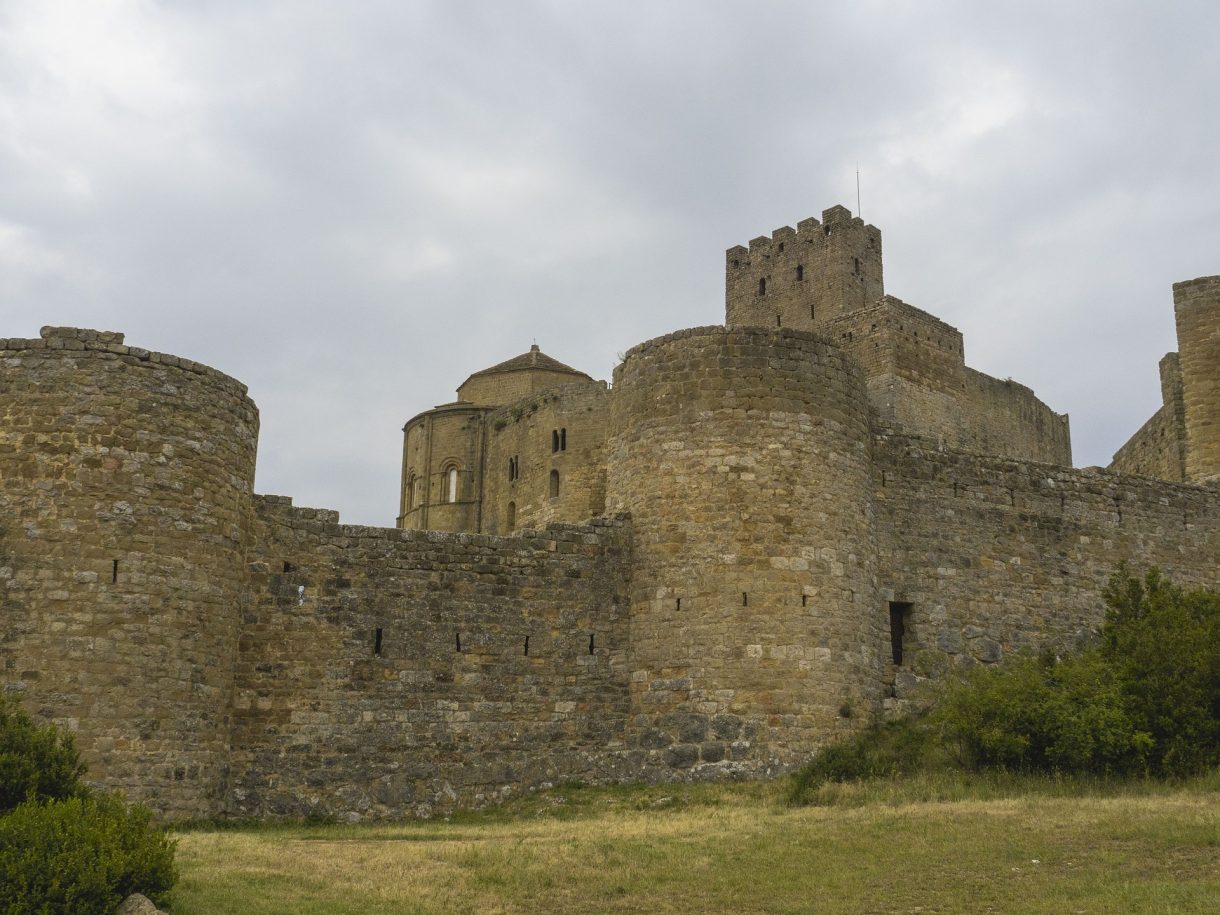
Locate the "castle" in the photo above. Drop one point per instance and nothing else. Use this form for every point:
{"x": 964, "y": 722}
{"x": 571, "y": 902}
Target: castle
{"x": 759, "y": 538}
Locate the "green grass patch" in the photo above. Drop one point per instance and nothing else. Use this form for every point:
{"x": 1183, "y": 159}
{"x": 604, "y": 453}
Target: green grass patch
{"x": 961, "y": 844}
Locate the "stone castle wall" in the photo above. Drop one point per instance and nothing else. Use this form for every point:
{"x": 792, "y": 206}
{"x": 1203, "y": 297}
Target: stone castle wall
{"x": 996, "y": 556}
{"x": 1158, "y": 449}
{"x": 449, "y": 437}
{"x": 743, "y": 458}
{"x": 125, "y": 489}
{"x": 805, "y": 277}
{"x": 560, "y": 432}
{"x": 1196, "y": 307}
{"x": 386, "y": 672}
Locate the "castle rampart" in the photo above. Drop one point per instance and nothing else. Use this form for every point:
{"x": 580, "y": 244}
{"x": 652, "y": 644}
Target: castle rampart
{"x": 387, "y": 672}
{"x": 989, "y": 556}
{"x": 743, "y": 458}
{"x": 125, "y": 497}
{"x": 1196, "y": 307}
{"x": 759, "y": 539}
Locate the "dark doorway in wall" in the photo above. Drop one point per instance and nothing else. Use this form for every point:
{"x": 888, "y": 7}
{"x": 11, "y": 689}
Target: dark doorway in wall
{"x": 900, "y": 620}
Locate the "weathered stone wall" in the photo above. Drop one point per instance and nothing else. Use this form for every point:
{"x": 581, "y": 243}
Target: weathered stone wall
{"x": 500, "y": 388}
{"x": 435, "y": 443}
{"x": 995, "y": 556}
{"x": 561, "y": 431}
{"x": 743, "y": 457}
{"x": 385, "y": 673}
{"x": 804, "y": 277}
{"x": 918, "y": 382}
{"x": 1196, "y": 307}
{"x": 124, "y": 510}
{"x": 1158, "y": 449}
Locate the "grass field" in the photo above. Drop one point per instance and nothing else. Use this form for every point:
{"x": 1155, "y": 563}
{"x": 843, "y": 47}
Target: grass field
{"x": 922, "y": 846}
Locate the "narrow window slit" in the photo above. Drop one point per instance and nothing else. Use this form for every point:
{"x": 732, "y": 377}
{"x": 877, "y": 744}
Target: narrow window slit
{"x": 377, "y": 642}
{"x": 114, "y": 571}
{"x": 762, "y": 286}
{"x": 900, "y": 614}
{"x": 457, "y": 641}
{"x": 590, "y": 643}
{"x": 745, "y": 599}
{"x": 804, "y": 600}
{"x": 527, "y": 646}
{"x": 678, "y": 604}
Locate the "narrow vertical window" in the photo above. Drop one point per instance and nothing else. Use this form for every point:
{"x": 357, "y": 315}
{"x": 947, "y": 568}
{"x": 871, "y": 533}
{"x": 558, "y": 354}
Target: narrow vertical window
{"x": 411, "y": 492}
{"x": 857, "y": 261}
{"x": 457, "y": 641}
{"x": 778, "y": 322}
{"x": 510, "y": 522}
{"x": 527, "y": 646}
{"x": 554, "y": 484}
{"x": 811, "y": 312}
{"x": 554, "y": 440}
{"x": 453, "y": 484}
{"x": 563, "y": 439}
{"x": 114, "y": 571}
{"x": 590, "y": 644}
{"x": 900, "y": 614}
{"x": 377, "y": 642}
{"x": 511, "y": 475}
{"x": 762, "y": 286}
{"x": 745, "y": 599}
{"x": 800, "y": 272}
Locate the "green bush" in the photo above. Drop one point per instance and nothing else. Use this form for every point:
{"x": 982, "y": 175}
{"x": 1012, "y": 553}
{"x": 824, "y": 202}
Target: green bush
{"x": 1043, "y": 715}
{"x": 65, "y": 850}
{"x": 80, "y": 856}
{"x": 1164, "y": 643}
{"x": 1144, "y": 700}
{"x": 36, "y": 761}
{"x": 885, "y": 750}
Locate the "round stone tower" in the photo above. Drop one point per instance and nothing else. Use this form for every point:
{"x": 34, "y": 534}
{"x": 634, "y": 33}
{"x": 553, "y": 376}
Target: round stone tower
{"x": 1196, "y": 306}
{"x": 125, "y": 502}
{"x": 743, "y": 457}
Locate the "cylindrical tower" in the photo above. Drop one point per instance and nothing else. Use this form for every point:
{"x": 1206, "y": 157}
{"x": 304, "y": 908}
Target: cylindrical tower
{"x": 743, "y": 457}
{"x": 125, "y": 500}
{"x": 1196, "y": 306}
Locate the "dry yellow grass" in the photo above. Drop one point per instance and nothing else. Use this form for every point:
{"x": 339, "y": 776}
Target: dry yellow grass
{"x": 723, "y": 849}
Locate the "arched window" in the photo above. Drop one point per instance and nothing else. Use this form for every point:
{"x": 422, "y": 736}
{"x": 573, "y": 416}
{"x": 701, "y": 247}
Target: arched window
{"x": 449, "y": 484}
{"x": 511, "y": 521}
{"x": 411, "y": 491}
{"x": 563, "y": 439}
{"x": 762, "y": 286}
{"x": 800, "y": 272}
{"x": 554, "y": 484}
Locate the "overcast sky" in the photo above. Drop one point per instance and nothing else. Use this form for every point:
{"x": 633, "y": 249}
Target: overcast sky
{"x": 351, "y": 206}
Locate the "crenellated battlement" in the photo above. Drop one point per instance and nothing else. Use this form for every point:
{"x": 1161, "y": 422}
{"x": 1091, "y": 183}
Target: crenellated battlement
{"x": 801, "y": 278}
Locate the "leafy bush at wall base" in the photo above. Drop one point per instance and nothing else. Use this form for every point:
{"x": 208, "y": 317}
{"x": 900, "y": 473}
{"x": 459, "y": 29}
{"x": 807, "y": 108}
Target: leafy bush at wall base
{"x": 80, "y": 856}
{"x": 65, "y": 850}
{"x": 35, "y": 760}
{"x": 1043, "y": 715}
{"x": 1144, "y": 701}
{"x": 885, "y": 750}
{"x": 1164, "y": 643}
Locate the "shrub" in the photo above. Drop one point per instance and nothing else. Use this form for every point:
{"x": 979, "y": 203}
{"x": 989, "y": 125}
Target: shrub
{"x": 80, "y": 856}
{"x": 63, "y": 848}
{"x": 885, "y": 750}
{"x": 36, "y": 761}
{"x": 1162, "y": 642}
{"x": 1043, "y": 715}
